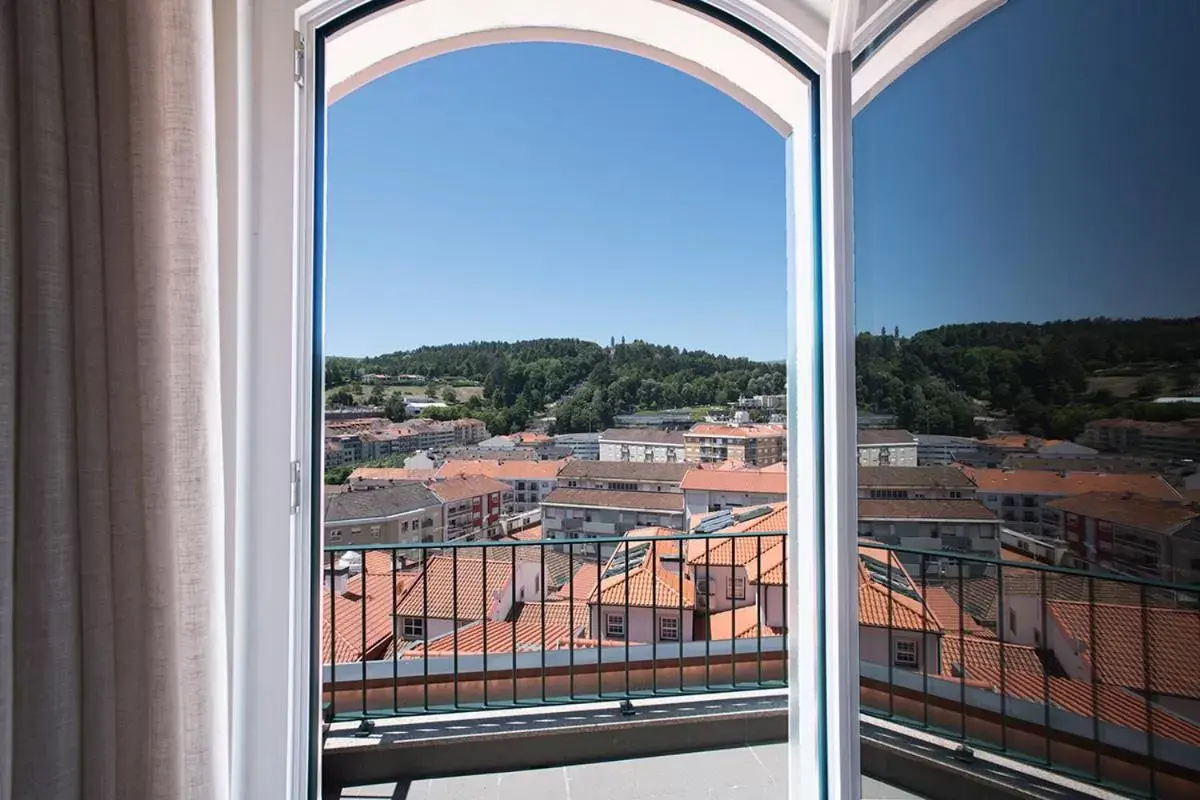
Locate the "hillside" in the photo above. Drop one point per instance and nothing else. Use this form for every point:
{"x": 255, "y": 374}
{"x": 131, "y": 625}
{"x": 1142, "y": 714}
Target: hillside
{"x": 1052, "y": 377}
{"x": 587, "y": 383}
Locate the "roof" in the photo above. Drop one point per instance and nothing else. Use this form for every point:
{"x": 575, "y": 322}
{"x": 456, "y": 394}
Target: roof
{"x": 531, "y": 534}
{"x": 634, "y": 577}
{"x": 1136, "y": 511}
{"x": 390, "y": 474}
{"x": 558, "y": 564}
{"x": 581, "y": 586}
{"x": 1014, "y": 441}
{"x": 461, "y": 487}
{"x": 503, "y": 469}
{"x": 530, "y": 437}
{"x": 899, "y": 606}
{"x": 346, "y": 639}
{"x": 922, "y": 509}
{"x": 769, "y": 569}
{"x": 1170, "y": 636}
{"x": 603, "y": 498}
{"x": 1031, "y": 481}
{"x": 432, "y": 594}
{"x": 706, "y": 429}
{"x": 951, "y": 614}
{"x": 624, "y": 471}
{"x": 978, "y": 595}
{"x": 528, "y": 635}
{"x": 913, "y": 478}
{"x": 750, "y": 481}
{"x": 882, "y": 436}
{"x": 979, "y": 659}
{"x": 378, "y": 501}
{"x": 558, "y": 614}
{"x": 739, "y": 623}
{"x": 642, "y": 436}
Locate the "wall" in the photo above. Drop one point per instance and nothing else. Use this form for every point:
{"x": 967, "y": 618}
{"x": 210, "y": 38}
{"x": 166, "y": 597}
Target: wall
{"x": 900, "y": 455}
{"x": 659, "y": 453}
{"x": 720, "y": 582}
{"x": 873, "y": 646}
{"x": 393, "y": 530}
{"x": 702, "y": 501}
{"x": 640, "y": 622}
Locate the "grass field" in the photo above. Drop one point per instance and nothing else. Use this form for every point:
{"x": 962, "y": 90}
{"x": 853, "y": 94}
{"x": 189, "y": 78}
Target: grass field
{"x": 463, "y": 392}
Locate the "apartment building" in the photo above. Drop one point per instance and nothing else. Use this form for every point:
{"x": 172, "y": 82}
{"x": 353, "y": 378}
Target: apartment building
{"x": 1131, "y": 534}
{"x": 957, "y": 527}
{"x": 1020, "y": 497}
{"x": 914, "y": 483}
{"x": 884, "y": 447}
{"x": 640, "y": 445}
{"x": 585, "y": 513}
{"x": 388, "y": 514}
{"x": 585, "y": 446}
{"x": 468, "y": 431}
{"x": 753, "y": 445}
{"x": 1175, "y": 440}
{"x": 473, "y": 505}
{"x": 934, "y": 449}
{"x": 528, "y": 481}
{"x": 622, "y": 476}
{"x": 708, "y": 490}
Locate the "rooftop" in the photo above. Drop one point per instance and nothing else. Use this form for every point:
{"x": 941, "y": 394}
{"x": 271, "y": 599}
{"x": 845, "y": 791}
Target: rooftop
{"x": 374, "y": 502}
{"x": 634, "y": 576}
{"x": 642, "y": 436}
{"x": 1029, "y": 481}
{"x": 390, "y": 475}
{"x": 503, "y": 469}
{"x": 1136, "y": 511}
{"x": 432, "y": 594}
{"x": 461, "y": 487}
{"x": 671, "y": 502}
{"x": 887, "y": 597}
{"x": 623, "y": 470}
{"x": 882, "y": 436}
{"x": 708, "y": 429}
{"x": 748, "y": 480}
{"x": 923, "y": 509}
{"x": 940, "y": 477}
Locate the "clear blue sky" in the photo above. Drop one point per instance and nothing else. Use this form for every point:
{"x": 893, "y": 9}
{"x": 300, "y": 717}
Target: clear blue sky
{"x": 521, "y": 191}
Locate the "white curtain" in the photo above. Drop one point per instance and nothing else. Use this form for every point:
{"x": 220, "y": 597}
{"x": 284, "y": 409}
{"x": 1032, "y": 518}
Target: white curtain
{"x": 113, "y": 672}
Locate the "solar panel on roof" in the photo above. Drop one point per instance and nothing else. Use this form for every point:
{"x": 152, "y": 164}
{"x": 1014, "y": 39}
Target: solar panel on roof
{"x": 752, "y": 513}
{"x": 715, "y": 523}
{"x": 878, "y": 573}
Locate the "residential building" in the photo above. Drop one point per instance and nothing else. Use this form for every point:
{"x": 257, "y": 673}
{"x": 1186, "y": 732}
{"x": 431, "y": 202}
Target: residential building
{"x": 474, "y": 505}
{"x": 753, "y": 445}
{"x": 934, "y": 449}
{"x": 957, "y": 527}
{"x": 1131, "y": 534}
{"x": 1177, "y": 440}
{"x": 674, "y": 419}
{"x": 388, "y": 476}
{"x": 587, "y": 513}
{"x": 914, "y": 483}
{"x": 529, "y": 481}
{"x": 768, "y": 402}
{"x": 584, "y": 446}
{"x": 884, "y": 447}
{"x": 718, "y": 567}
{"x": 708, "y": 490}
{"x": 469, "y": 431}
{"x": 383, "y": 515}
{"x": 622, "y": 476}
{"x": 642, "y": 596}
{"x": 895, "y": 625}
{"x": 1019, "y": 497}
{"x": 642, "y": 445}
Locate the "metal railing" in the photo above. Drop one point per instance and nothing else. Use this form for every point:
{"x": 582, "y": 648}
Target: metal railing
{"x": 1079, "y": 672}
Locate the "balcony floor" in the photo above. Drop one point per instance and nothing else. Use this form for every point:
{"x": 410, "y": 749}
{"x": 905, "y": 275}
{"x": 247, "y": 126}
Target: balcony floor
{"x": 755, "y": 773}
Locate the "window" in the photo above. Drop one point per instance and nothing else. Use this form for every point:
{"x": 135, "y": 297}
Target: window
{"x": 355, "y": 533}
{"x": 404, "y": 525}
{"x": 413, "y": 628}
{"x": 335, "y": 536}
{"x": 906, "y": 653}
{"x": 614, "y": 626}
{"x": 736, "y": 589}
{"x": 668, "y": 629}
{"x": 648, "y": 455}
{"x": 376, "y": 532}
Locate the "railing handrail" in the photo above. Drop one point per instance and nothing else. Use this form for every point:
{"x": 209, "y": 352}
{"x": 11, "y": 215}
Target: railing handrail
{"x": 550, "y": 541}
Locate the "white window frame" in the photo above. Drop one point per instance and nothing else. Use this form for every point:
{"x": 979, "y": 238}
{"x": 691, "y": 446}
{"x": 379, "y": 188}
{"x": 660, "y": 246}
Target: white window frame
{"x": 735, "y": 589}
{"x": 609, "y": 627}
{"x": 663, "y": 626}
{"x": 905, "y": 653}
{"x": 412, "y": 627}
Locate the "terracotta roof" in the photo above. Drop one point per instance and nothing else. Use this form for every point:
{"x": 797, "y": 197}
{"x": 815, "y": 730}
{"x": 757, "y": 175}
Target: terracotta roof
{"x": 1014, "y": 441}
{"x": 647, "y": 583}
{"x": 451, "y": 489}
{"x": 874, "y": 599}
{"x": 559, "y": 614}
{"x": 441, "y": 578}
{"x": 979, "y": 595}
{"x": 503, "y": 469}
{"x": 771, "y": 568}
{"x": 1172, "y": 639}
{"x": 558, "y": 564}
{"x": 739, "y": 623}
{"x": 345, "y": 638}
{"x": 582, "y": 585}
{"x": 1136, "y": 511}
{"x": 642, "y": 436}
{"x": 1032, "y": 481}
{"x": 750, "y": 480}
{"x": 530, "y": 437}
{"x": 775, "y": 521}
{"x": 624, "y": 471}
{"x": 981, "y": 657}
{"x": 778, "y": 466}
{"x": 922, "y": 509}
{"x": 731, "y": 551}
{"x": 913, "y": 478}
{"x": 468, "y": 639}
{"x": 375, "y": 502}
{"x": 949, "y": 613}
{"x": 883, "y": 436}
{"x": 704, "y": 429}
{"x": 603, "y": 498}
{"x": 1012, "y": 555}
{"x": 532, "y": 534}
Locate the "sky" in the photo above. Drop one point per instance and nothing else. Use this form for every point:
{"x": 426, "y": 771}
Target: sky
{"x": 1035, "y": 167}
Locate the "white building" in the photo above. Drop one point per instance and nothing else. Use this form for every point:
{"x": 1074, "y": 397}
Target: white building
{"x": 708, "y": 490}
{"x": 958, "y": 527}
{"x": 622, "y": 476}
{"x": 641, "y": 445}
{"x": 883, "y": 448}
{"x": 585, "y": 446}
{"x": 933, "y": 449}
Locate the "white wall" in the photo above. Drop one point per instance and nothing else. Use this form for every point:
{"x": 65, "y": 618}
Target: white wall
{"x": 720, "y": 582}
{"x": 701, "y": 501}
{"x": 611, "y": 451}
{"x": 640, "y": 622}
{"x": 873, "y": 646}
{"x": 899, "y": 455}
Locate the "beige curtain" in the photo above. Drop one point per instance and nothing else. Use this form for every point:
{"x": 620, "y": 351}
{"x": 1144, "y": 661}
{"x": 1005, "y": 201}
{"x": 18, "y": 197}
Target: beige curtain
{"x": 112, "y": 587}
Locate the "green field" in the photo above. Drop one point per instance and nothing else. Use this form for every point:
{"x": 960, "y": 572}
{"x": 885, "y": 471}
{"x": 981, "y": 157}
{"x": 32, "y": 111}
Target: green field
{"x": 364, "y": 391}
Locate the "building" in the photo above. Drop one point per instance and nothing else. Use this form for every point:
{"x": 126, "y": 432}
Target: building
{"x": 473, "y": 505}
{"x": 622, "y": 476}
{"x": 383, "y": 515}
{"x": 719, "y": 567}
{"x": 388, "y": 476}
{"x": 587, "y": 513}
{"x": 957, "y": 527}
{"x": 884, "y": 447}
{"x": 528, "y": 481}
{"x": 468, "y": 430}
{"x": 934, "y": 449}
{"x": 584, "y": 446}
{"x": 1019, "y": 497}
{"x": 1176, "y": 440}
{"x": 753, "y": 445}
{"x": 498, "y": 443}
{"x": 895, "y": 625}
{"x": 767, "y": 402}
{"x": 671, "y": 420}
{"x": 1131, "y": 534}
{"x": 868, "y": 419}
{"x": 643, "y": 595}
{"x": 641, "y": 445}
{"x": 914, "y": 483}
{"x": 708, "y": 490}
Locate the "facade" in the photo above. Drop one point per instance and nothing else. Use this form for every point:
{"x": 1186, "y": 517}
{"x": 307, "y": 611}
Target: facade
{"x": 1020, "y": 497}
{"x": 934, "y": 450}
{"x": 642, "y": 595}
{"x": 473, "y": 505}
{"x": 407, "y": 512}
{"x": 1132, "y": 535}
{"x": 708, "y": 490}
{"x": 586, "y": 513}
{"x": 753, "y": 445}
{"x": 584, "y": 446}
{"x": 1175, "y": 440}
{"x": 914, "y": 483}
{"x": 641, "y": 445}
{"x": 528, "y": 481}
{"x": 622, "y": 476}
{"x": 958, "y": 527}
{"x": 885, "y": 447}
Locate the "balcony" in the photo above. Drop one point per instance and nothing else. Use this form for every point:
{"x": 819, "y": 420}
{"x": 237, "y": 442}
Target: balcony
{"x": 991, "y": 666}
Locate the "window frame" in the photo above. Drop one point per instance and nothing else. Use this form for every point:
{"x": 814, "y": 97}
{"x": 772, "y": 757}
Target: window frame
{"x": 910, "y": 648}
{"x": 662, "y": 637}
{"x": 609, "y": 616}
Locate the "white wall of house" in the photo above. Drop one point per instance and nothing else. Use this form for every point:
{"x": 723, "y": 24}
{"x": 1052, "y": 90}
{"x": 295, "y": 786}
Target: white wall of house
{"x": 722, "y": 592}
{"x": 770, "y": 604}
{"x": 640, "y": 622}
{"x": 873, "y": 647}
{"x": 887, "y": 455}
{"x": 702, "y": 501}
{"x": 641, "y": 453}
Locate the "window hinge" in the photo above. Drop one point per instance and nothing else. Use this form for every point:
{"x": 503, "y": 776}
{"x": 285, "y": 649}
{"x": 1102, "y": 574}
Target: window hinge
{"x": 298, "y": 59}
{"x": 295, "y": 487}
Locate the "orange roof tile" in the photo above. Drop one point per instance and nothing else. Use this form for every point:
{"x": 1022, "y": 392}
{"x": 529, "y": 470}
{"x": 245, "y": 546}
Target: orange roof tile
{"x": 533, "y": 534}
{"x": 749, "y": 480}
{"x": 436, "y": 584}
{"x": 460, "y": 487}
{"x": 345, "y": 637}
{"x": 391, "y": 474}
{"x": 582, "y": 585}
{"x": 728, "y": 552}
{"x": 503, "y": 469}
{"x": 739, "y": 623}
{"x": 978, "y": 659}
{"x": 647, "y": 583}
{"x": 703, "y": 429}
{"x": 558, "y": 613}
{"x": 879, "y": 607}
{"x": 770, "y": 569}
{"x": 1136, "y": 511}
{"x": 949, "y": 612}
{"x": 1172, "y": 637}
{"x": 469, "y": 639}
{"x": 1034, "y": 481}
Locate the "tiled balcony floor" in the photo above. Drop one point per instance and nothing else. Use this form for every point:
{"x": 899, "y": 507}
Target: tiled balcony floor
{"x": 753, "y": 773}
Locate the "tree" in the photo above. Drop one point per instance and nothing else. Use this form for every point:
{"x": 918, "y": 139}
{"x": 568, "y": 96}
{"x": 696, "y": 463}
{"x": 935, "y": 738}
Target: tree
{"x": 377, "y": 397}
{"x": 449, "y": 395}
{"x": 336, "y": 476}
{"x": 896, "y": 331}
{"x": 394, "y": 409}
{"x": 340, "y": 398}
{"x": 1150, "y": 386}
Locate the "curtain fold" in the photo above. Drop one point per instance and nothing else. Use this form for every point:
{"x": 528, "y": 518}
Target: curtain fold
{"x": 113, "y": 663}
